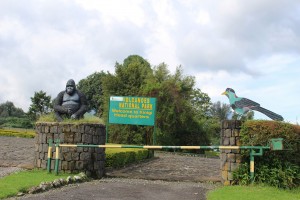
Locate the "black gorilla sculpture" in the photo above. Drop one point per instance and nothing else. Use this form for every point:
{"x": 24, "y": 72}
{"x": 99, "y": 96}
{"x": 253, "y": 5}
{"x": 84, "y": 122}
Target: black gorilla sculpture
{"x": 70, "y": 103}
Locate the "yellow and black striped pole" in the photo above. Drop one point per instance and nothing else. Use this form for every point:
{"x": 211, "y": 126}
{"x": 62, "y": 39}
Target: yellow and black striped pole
{"x": 49, "y": 155}
{"x": 254, "y": 150}
{"x": 252, "y": 165}
{"x": 56, "y": 157}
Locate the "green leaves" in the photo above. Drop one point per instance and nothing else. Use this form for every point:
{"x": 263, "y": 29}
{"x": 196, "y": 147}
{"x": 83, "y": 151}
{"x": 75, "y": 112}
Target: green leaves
{"x": 41, "y": 104}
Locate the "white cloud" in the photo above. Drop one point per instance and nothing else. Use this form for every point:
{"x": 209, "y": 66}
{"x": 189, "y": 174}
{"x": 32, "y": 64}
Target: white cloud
{"x": 250, "y": 46}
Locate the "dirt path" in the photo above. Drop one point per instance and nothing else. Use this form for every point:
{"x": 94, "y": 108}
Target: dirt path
{"x": 167, "y": 176}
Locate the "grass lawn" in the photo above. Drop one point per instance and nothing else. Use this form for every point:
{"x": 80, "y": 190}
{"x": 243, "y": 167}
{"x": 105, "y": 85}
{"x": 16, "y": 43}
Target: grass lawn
{"x": 23, "y": 180}
{"x": 253, "y": 193}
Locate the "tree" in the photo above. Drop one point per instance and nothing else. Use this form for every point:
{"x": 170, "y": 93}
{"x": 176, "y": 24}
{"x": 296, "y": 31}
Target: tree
{"x": 128, "y": 80}
{"x": 41, "y": 104}
{"x": 220, "y": 111}
{"x": 8, "y": 109}
{"x": 92, "y": 88}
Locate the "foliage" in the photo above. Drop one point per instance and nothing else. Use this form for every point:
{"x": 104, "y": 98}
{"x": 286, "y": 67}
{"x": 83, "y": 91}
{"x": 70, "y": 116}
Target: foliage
{"x": 25, "y": 133}
{"x": 8, "y": 109}
{"x": 259, "y": 132}
{"x": 257, "y": 192}
{"x": 117, "y": 158}
{"x": 276, "y": 168}
{"x": 23, "y": 180}
{"x": 181, "y": 110}
{"x": 16, "y": 122}
{"x": 92, "y": 88}
{"x": 41, "y": 104}
{"x": 180, "y": 107}
{"x": 220, "y": 111}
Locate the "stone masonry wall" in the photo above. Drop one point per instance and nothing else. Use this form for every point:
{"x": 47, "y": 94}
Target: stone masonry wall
{"x": 72, "y": 159}
{"x": 230, "y": 159}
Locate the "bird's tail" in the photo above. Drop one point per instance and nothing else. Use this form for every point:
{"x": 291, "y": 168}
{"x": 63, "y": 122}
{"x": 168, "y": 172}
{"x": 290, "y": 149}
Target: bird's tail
{"x": 269, "y": 113}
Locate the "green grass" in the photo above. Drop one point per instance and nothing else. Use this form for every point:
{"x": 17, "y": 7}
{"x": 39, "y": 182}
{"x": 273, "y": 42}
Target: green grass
{"x": 87, "y": 119}
{"x": 253, "y": 192}
{"x": 23, "y": 180}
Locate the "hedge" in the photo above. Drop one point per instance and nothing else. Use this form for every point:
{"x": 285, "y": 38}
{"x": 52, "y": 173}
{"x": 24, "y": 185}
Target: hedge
{"x": 276, "y": 168}
{"x": 120, "y": 158}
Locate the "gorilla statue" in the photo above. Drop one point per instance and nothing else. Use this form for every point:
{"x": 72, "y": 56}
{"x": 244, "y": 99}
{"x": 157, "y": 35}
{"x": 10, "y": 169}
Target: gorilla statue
{"x": 70, "y": 103}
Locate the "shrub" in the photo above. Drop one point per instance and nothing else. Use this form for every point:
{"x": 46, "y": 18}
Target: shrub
{"x": 276, "y": 168}
{"x": 121, "y": 159}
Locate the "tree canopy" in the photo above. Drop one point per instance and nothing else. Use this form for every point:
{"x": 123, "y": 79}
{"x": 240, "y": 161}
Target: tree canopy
{"x": 41, "y": 104}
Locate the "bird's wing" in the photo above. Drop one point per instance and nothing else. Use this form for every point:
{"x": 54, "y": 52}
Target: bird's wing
{"x": 244, "y": 102}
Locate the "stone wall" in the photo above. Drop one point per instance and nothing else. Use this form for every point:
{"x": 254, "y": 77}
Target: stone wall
{"x": 230, "y": 159}
{"x": 72, "y": 159}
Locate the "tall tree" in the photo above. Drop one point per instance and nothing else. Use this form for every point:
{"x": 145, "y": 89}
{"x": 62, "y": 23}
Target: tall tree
{"x": 41, "y": 104}
{"x": 128, "y": 80}
{"x": 220, "y": 111}
{"x": 92, "y": 88}
{"x": 8, "y": 109}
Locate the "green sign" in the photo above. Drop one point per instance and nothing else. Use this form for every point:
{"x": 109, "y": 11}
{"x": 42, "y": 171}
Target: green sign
{"x": 132, "y": 110}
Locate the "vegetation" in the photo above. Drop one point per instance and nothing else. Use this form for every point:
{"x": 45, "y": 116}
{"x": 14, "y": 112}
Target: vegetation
{"x": 41, "y": 104}
{"x": 257, "y": 192}
{"x": 276, "y": 168}
{"x": 25, "y": 180}
{"x": 116, "y": 158}
{"x": 26, "y": 133}
{"x": 88, "y": 118}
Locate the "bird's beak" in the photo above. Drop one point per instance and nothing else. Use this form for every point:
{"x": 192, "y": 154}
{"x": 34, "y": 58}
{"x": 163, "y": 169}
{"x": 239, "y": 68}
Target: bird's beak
{"x": 224, "y": 93}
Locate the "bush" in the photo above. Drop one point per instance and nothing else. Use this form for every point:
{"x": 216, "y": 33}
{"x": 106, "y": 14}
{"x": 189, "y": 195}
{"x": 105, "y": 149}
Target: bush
{"x": 121, "y": 159}
{"x": 16, "y": 122}
{"x": 276, "y": 168}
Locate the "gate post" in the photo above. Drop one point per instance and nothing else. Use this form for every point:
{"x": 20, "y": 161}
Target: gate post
{"x": 91, "y": 161}
{"x": 230, "y": 159}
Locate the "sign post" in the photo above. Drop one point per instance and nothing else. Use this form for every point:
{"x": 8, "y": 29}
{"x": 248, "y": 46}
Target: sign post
{"x": 132, "y": 110}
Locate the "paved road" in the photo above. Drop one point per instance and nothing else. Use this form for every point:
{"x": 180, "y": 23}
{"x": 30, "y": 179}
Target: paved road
{"x": 169, "y": 176}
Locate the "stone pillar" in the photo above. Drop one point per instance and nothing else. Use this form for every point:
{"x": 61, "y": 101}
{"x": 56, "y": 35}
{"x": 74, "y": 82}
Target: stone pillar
{"x": 72, "y": 159}
{"x": 230, "y": 159}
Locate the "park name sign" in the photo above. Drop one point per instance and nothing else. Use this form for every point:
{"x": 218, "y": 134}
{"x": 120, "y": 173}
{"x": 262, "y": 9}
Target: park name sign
{"x": 132, "y": 110}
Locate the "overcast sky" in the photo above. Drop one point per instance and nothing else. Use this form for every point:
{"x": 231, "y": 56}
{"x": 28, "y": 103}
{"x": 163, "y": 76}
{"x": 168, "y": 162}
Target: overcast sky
{"x": 250, "y": 46}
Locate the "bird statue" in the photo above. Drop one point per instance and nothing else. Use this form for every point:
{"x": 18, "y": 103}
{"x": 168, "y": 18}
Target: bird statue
{"x": 242, "y": 105}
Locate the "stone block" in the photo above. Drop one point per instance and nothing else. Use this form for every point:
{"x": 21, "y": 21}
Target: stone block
{"x": 232, "y": 141}
{"x": 53, "y": 129}
{"x": 95, "y": 139}
{"x": 67, "y": 156}
{"x": 233, "y": 166}
{"x": 75, "y": 156}
{"x": 47, "y": 129}
{"x": 225, "y": 175}
{"x": 226, "y": 141}
{"x": 226, "y": 166}
{"x": 236, "y": 132}
{"x": 66, "y": 128}
{"x": 73, "y": 128}
{"x": 77, "y": 138}
{"x": 71, "y": 165}
{"x": 227, "y": 133}
{"x": 84, "y": 156}
{"x": 238, "y": 158}
{"x": 231, "y": 157}
{"x": 64, "y": 165}
{"x": 69, "y": 137}
{"x": 230, "y": 176}
{"x": 79, "y": 165}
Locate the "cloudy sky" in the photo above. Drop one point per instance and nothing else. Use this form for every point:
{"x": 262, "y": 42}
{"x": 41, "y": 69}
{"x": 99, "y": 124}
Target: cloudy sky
{"x": 250, "y": 46}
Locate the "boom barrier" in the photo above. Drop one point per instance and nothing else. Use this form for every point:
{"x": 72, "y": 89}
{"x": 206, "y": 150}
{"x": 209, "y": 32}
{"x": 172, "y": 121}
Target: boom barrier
{"x": 276, "y": 144}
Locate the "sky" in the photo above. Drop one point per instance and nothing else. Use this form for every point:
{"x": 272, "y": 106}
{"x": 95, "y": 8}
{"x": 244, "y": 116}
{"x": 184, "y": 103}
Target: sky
{"x": 250, "y": 46}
